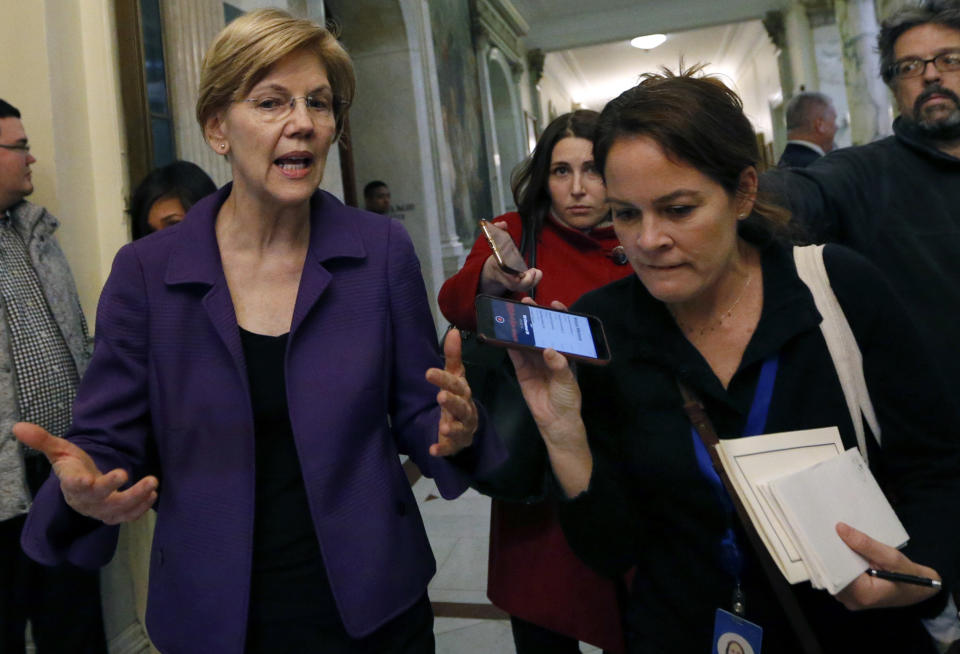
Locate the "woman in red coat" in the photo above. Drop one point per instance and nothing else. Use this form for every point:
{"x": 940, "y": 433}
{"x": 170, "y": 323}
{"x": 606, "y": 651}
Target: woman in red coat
{"x": 553, "y": 599}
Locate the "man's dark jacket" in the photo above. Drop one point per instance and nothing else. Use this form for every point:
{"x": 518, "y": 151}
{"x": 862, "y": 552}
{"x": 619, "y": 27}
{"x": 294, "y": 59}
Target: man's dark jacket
{"x": 896, "y": 201}
{"x": 797, "y": 155}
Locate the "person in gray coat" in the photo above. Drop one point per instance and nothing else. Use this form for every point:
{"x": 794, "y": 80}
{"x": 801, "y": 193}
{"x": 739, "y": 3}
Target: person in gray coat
{"x": 44, "y": 350}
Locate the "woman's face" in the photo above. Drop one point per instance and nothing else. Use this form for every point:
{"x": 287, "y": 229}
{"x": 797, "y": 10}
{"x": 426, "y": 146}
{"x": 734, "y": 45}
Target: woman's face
{"x": 576, "y": 189}
{"x": 165, "y": 212}
{"x": 734, "y": 647}
{"x": 678, "y": 226}
{"x": 279, "y": 161}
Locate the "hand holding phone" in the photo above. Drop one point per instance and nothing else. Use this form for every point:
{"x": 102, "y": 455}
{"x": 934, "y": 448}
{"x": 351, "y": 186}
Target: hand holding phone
{"x": 505, "y": 271}
{"x": 512, "y": 324}
{"x": 552, "y": 394}
{"x": 505, "y": 251}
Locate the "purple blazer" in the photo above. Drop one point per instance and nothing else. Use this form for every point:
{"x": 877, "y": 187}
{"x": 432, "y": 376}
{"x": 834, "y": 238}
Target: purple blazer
{"x": 168, "y": 362}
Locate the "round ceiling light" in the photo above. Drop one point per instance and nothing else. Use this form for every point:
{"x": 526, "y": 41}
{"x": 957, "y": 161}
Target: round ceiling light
{"x": 648, "y": 42}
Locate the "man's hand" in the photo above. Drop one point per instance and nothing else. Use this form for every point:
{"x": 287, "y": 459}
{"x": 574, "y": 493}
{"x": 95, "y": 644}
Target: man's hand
{"x": 84, "y": 487}
{"x": 458, "y": 413}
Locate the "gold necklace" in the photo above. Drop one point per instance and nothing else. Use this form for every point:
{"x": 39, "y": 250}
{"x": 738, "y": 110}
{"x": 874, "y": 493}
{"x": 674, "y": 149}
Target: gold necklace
{"x": 723, "y": 316}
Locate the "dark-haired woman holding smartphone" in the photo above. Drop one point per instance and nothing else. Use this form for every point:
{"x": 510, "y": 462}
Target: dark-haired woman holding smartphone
{"x": 553, "y": 599}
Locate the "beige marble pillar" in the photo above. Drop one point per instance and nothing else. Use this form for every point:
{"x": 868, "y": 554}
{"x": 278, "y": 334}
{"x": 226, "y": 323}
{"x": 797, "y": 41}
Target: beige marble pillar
{"x": 867, "y": 97}
{"x": 800, "y": 51}
{"x": 188, "y": 28}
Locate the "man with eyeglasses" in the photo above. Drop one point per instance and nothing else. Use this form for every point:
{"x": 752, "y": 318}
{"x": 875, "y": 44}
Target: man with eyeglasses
{"x": 897, "y": 200}
{"x": 43, "y": 351}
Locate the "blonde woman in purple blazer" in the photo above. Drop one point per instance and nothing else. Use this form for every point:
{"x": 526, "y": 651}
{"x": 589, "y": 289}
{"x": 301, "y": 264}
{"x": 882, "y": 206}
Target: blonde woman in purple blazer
{"x": 258, "y": 370}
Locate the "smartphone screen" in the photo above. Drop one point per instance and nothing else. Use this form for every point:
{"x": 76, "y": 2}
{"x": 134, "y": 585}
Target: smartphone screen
{"x": 514, "y": 324}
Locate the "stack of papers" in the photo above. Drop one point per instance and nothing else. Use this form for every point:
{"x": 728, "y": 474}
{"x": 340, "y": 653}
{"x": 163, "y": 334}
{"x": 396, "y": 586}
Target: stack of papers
{"x": 796, "y": 486}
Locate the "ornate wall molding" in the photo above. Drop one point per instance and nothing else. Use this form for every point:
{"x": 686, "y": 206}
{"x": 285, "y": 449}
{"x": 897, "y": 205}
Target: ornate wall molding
{"x": 502, "y": 25}
{"x": 776, "y": 30}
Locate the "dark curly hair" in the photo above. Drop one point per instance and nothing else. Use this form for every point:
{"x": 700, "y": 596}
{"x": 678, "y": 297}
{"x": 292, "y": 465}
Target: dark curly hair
{"x": 697, "y": 120}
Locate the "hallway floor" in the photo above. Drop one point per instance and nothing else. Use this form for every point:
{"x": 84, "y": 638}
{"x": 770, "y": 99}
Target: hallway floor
{"x": 466, "y": 622}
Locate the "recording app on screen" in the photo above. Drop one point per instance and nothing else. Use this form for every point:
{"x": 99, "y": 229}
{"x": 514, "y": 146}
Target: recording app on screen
{"x": 528, "y": 325}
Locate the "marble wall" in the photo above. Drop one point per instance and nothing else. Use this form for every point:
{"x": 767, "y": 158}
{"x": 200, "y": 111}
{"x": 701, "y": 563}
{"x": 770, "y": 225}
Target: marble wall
{"x": 555, "y": 96}
{"x": 867, "y": 96}
{"x": 829, "y": 54}
{"x": 460, "y": 104}
{"x": 758, "y": 78}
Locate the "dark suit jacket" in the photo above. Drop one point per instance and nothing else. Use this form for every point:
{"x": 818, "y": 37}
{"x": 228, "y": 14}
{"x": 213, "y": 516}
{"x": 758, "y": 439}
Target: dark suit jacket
{"x": 169, "y": 363}
{"x": 797, "y": 155}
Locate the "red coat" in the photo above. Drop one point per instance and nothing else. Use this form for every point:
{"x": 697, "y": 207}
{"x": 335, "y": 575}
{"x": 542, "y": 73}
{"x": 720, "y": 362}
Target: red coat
{"x": 533, "y": 574}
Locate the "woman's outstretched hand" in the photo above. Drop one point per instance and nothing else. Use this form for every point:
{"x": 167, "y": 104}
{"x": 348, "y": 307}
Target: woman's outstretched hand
{"x": 87, "y": 490}
{"x": 866, "y": 592}
{"x": 553, "y": 397}
{"x": 458, "y": 413}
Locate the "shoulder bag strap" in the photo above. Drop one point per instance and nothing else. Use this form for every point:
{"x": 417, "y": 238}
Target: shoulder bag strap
{"x": 840, "y": 342}
{"x": 698, "y": 417}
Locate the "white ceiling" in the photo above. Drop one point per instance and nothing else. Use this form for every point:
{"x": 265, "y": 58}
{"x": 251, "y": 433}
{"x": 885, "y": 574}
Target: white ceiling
{"x": 587, "y": 41}
{"x": 564, "y": 24}
{"x": 598, "y": 73}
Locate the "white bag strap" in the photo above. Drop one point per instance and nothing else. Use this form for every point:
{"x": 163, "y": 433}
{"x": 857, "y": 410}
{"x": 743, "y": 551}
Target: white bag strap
{"x": 840, "y": 342}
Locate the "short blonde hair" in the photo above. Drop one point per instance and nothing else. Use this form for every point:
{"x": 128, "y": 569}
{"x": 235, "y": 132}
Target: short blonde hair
{"x": 246, "y": 49}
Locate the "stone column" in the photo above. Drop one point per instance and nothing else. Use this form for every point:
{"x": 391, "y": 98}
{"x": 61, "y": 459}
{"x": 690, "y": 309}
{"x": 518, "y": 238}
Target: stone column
{"x": 189, "y": 28}
{"x": 803, "y": 63}
{"x": 446, "y": 251}
{"x": 867, "y": 97}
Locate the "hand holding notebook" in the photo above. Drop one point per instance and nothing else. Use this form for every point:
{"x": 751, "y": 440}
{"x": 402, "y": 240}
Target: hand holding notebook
{"x": 796, "y": 487}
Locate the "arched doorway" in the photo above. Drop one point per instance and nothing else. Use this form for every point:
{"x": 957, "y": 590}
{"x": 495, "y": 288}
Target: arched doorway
{"x": 506, "y": 125}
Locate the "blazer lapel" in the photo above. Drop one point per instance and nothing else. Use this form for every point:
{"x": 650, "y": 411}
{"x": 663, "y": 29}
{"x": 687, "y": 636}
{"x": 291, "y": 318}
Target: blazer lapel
{"x": 333, "y": 234}
{"x": 195, "y": 260}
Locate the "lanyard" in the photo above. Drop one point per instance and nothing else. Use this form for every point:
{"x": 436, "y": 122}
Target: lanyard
{"x": 731, "y": 558}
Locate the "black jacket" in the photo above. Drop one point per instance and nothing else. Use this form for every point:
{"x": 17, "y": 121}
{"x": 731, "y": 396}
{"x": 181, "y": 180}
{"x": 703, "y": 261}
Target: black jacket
{"x": 649, "y": 506}
{"x": 897, "y": 202}
{"x": 797, "y": 155}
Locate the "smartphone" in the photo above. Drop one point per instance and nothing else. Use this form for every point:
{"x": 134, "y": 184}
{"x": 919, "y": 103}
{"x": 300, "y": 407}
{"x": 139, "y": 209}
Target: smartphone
{"x": 508, "y": 323}
{"x": 505, "y": 251}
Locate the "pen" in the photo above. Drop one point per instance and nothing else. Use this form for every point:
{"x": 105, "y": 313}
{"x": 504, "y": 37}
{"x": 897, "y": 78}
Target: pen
{"x": 907, "y": 579}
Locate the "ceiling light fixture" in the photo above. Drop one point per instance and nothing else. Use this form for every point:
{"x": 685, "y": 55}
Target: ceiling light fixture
{"x": 648, "y": 42}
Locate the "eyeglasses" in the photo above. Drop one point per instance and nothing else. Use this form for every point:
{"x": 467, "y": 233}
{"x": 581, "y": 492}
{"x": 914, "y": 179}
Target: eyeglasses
{"x": 20, "y": 147}
{"x": 273, "y": 108}
{"x": 914, "y": 67}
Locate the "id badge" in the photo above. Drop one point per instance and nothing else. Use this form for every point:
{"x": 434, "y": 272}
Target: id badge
{"x": 734, "y": 635}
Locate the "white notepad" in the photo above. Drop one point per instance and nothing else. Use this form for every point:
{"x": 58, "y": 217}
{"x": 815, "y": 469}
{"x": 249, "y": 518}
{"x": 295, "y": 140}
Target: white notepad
{"x": 795, "y": 487}
{"x": 751, "y": 462}
{"x": 814, "y": 500}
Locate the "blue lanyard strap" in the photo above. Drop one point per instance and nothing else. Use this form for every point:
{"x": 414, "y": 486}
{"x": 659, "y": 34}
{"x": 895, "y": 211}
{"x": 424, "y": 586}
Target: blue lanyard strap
{"x": 731, "y": 558}
{"x": 757, "y": 418}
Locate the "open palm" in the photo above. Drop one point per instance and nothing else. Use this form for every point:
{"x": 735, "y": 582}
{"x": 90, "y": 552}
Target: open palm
{"x": 85, "y": 488}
